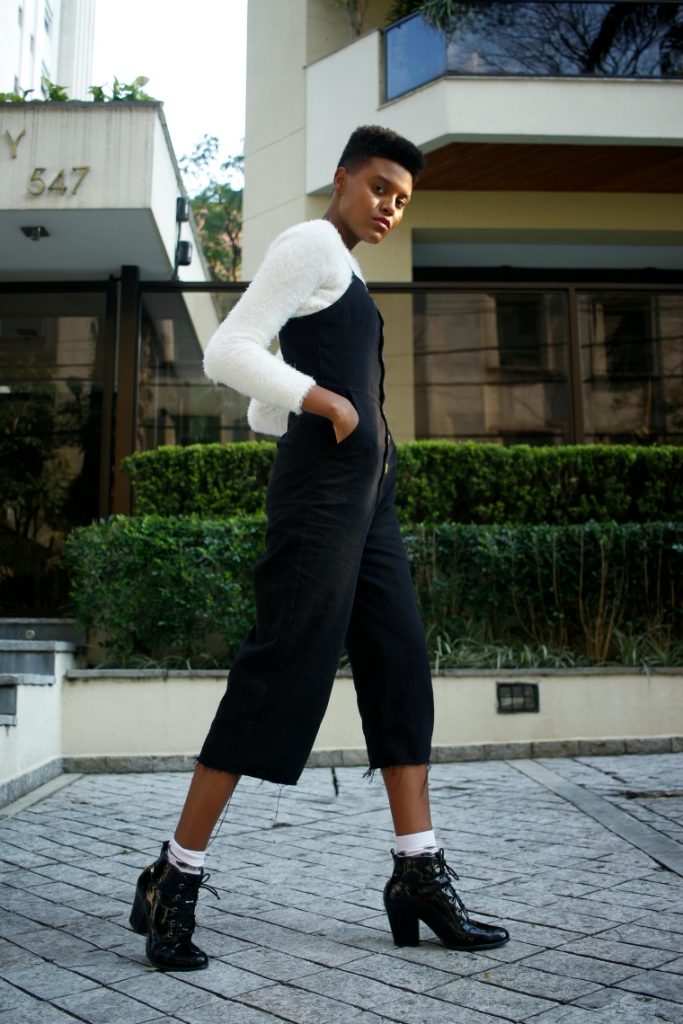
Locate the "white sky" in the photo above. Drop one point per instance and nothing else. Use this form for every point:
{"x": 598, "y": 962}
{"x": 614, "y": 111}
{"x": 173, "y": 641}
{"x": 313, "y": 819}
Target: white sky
{"x": 194, "y": 54}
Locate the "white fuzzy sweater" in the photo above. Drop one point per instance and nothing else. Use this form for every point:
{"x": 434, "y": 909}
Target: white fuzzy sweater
{"x": 305, "y": 269}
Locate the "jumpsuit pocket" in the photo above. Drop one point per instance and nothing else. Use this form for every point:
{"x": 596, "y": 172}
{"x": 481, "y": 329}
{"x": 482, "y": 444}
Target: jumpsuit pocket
{"x": 348, "y": 439}
{"x": 338, "y": 445}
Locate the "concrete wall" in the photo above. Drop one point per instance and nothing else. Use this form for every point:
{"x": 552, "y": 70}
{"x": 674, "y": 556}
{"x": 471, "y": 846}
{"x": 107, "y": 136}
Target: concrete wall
{"x": 31, "y": 750}
{"x": 137, "y": 714}
{"x": 74, "y": 135}
{"x": 144, "y": 720}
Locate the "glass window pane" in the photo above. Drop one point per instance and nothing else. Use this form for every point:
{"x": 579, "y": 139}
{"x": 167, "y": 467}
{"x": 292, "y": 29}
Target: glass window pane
{"x": 532, "y": 37}
{"x": 492, "y": 366}
{"x": 559, "y": 38}
{"x": 51, "y": 359}
{"x": 177, "y": 404}
{"x": 632, "y": 366}
{"x": 415, "y": 53}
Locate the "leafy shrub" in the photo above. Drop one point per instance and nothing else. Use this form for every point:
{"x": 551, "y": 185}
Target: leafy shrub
{"x": 201, "y": 479}
{"x": 174, "y": 588}
{"x": 438, "y": 481}
{"x": 165, "y": 587}
{"x": 574, "y": 587}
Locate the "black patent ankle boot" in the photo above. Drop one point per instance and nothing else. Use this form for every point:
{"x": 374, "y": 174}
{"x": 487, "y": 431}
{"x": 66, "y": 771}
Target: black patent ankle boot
{"x": 421, "y": 889}
{"x": 164, "y": 906}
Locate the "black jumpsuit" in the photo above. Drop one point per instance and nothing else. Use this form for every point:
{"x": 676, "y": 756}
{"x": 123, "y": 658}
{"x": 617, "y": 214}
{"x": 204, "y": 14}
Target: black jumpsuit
{"x": 334, "y": 573}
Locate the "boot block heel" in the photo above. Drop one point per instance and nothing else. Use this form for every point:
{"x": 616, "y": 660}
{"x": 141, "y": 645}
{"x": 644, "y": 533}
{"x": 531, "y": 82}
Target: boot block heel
{"x": 138, "y": 915}
{"x": 405, "y": 926}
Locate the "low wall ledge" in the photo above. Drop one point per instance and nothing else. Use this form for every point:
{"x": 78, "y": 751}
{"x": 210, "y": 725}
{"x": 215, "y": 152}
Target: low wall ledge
{"x": 485, "y": 673}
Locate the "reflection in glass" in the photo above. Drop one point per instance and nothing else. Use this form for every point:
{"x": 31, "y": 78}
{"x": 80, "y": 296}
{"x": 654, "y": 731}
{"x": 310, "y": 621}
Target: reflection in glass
{"x": 515, "y": 37}
{"x": 632, "y": 366}
{"x": 50, "y": 430}
{"x": 177, "y": 404}
{"x": 415, "y": 54}
{"x": 492, "y": 366}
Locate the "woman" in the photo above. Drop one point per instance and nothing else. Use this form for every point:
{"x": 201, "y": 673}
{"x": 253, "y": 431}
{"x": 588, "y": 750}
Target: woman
{"x": 334, "y": 572}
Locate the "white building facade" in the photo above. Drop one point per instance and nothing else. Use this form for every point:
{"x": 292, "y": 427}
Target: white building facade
{"x": 50, "y": 39}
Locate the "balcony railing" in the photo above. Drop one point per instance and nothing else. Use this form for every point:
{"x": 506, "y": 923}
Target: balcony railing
{"x": 515, "y": 37}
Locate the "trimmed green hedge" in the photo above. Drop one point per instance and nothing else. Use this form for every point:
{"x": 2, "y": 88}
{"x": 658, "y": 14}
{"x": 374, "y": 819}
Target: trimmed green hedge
{"x": 201, "y": 479}
{"x": 438, "y": 481}
{"x": 175, "y": 588}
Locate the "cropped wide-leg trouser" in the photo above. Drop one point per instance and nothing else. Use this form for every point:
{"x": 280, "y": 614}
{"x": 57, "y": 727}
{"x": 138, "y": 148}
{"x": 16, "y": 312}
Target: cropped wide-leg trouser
{"x": 334, "y": 574}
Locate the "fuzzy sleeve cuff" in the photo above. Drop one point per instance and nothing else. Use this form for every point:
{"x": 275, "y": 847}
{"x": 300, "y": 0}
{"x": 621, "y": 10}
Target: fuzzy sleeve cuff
{"x": 267, "y": 419}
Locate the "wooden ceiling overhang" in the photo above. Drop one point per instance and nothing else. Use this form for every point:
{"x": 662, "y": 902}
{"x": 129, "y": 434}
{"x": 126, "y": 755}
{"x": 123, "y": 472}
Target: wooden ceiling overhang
{"x": 551, "y": 167}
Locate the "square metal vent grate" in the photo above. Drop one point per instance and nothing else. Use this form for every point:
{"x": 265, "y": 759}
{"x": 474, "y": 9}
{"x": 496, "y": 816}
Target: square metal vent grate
{"x": 516, "y": 697}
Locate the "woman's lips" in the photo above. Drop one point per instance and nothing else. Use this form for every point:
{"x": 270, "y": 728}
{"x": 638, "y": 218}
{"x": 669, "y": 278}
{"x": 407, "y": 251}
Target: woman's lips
{"x": 381, "y": 222}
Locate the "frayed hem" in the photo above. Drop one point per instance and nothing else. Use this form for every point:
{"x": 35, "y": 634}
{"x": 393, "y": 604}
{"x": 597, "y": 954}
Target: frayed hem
{"x": 216, "y": 771}
{"x": 371, "y": 772}
{"x": 241, "y": 773}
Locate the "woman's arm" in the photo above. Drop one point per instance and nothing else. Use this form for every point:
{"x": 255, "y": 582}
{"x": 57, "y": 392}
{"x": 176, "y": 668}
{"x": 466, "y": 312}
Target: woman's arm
{"x": 296, "y": 265}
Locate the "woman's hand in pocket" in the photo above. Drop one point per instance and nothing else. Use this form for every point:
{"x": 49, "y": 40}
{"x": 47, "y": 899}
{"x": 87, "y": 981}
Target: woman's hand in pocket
{"x": 339, "y": 410}
{"x": 345, "y": 424}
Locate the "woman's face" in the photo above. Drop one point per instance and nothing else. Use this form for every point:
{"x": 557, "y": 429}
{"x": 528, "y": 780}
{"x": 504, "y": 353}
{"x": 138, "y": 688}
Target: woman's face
{"x": 371, "y": 200}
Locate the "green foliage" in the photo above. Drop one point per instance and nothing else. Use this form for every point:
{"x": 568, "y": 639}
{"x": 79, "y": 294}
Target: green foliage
{"x": 438, "y": 481}
{"x": 54, "y": 93}
{"x": 169, "y": 590}
{"x": 164, "y": 588}
{"x": 440, "y": 13}
{"x": 121, "y": 91}
{"x": 216, "y": 205}
{"x": 577, "y": 588}
{"x": 201, "y": 479}
{"x": 16, "y": 97}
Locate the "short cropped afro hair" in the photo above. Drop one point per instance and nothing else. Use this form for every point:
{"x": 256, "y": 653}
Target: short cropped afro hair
{"x": 371, "y": 140}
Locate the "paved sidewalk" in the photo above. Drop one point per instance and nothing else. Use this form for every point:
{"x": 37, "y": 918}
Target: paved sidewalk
{"x": 299, "y": 933}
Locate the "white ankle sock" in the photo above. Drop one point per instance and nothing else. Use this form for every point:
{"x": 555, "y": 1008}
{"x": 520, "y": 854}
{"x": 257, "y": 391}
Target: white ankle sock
{"x": 416, "y": 843}
{"x": 189, "y": 861}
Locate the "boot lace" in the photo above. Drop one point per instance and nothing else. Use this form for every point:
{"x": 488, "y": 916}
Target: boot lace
{"x": 448, "y": 887}
{"x": 183, "y": 903}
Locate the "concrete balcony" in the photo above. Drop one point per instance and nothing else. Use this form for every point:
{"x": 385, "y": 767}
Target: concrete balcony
{"x": 101, "y": 179}
{"x": 600, "y": 113}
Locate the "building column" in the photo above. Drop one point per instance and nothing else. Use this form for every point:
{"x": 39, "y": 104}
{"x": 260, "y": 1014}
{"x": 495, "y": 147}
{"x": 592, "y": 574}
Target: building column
{"x": 126, "y": 405}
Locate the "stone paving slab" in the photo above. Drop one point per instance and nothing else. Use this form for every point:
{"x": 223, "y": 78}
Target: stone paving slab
{"x": 299, "y": 933}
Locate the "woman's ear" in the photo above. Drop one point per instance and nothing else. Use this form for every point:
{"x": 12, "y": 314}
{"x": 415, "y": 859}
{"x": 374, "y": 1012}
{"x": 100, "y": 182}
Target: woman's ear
{"x": 340, "y": 180}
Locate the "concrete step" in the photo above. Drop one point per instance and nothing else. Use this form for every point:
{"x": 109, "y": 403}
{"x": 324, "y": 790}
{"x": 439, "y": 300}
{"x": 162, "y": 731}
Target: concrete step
{"x": 32, "y": 662}
{"x": 8, "y": 699}
{"x": 41, "y": 629}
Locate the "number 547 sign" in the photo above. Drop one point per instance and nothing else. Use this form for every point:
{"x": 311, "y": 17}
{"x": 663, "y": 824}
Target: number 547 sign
{"x": 63, "y": 182}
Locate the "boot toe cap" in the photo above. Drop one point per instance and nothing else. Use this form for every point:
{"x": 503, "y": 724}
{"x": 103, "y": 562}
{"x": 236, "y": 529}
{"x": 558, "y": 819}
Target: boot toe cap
{"x": 177, "y": 958}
